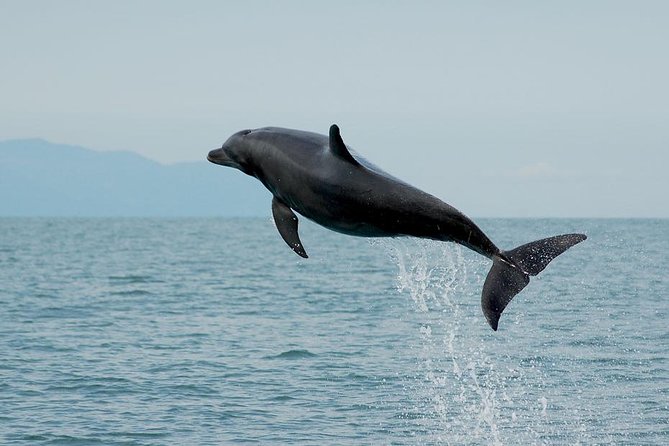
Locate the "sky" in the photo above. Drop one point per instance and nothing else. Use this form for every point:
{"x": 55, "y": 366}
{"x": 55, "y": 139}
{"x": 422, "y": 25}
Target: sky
{"x": 512, "y": 109}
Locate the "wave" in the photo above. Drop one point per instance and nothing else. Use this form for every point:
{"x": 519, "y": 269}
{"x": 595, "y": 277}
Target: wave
{"x": 133, "y": 278}
{"x": 293, "y": 354}
{"x": 135, "y": 292}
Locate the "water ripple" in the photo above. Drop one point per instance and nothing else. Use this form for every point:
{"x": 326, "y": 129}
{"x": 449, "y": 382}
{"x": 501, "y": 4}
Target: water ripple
{"x": 293, "y": 354}
{"x": 157, "y": 331}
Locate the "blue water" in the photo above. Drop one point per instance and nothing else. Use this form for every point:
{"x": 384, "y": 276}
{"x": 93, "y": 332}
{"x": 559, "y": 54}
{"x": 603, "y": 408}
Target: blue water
{"x": 189, "y": 331}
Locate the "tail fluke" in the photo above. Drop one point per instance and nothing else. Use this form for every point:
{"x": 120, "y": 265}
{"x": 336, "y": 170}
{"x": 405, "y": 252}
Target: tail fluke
{"x": 503, "y": 282}
{"x": 511, "y": 271}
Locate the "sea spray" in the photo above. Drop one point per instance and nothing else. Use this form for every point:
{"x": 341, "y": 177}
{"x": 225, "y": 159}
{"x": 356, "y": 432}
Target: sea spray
{"x": 465, "y": 392}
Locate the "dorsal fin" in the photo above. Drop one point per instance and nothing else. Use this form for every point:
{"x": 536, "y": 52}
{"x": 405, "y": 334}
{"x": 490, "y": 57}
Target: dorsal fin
{"x": 338, "y": 147}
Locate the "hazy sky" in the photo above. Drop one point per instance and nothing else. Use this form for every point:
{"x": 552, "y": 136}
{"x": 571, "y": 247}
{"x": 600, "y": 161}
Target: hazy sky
{"x": 500, "y": 108}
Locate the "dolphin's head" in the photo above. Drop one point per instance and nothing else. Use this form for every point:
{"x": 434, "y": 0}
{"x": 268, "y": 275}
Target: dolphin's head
{"x": 235, "y": 152}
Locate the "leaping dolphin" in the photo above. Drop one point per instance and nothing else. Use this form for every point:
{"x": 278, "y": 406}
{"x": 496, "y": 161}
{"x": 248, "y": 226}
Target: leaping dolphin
{"x": 322, "y": 179}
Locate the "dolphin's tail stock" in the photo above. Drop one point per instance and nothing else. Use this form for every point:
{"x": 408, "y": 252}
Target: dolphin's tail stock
{"x": 511, "y": 271}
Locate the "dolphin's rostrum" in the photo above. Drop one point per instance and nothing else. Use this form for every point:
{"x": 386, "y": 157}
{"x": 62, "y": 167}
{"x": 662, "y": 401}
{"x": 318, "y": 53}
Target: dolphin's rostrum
{"x": 320, "y": 178}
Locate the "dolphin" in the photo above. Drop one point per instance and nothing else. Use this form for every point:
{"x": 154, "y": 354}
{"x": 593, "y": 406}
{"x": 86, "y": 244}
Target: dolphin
{"x": 322, "y": 179}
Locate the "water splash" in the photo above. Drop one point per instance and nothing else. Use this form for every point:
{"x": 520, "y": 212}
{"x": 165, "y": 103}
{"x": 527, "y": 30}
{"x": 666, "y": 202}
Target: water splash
{"x": 466, "y": 394}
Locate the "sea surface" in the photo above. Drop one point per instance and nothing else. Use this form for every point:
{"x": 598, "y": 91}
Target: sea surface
{"x": 212, "y": 332}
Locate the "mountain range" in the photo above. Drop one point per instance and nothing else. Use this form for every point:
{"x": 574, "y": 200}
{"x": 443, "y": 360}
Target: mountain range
{"x": 40, "y": 178}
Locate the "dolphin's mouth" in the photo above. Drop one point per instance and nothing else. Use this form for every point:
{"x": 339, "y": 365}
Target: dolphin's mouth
{"x": 218, "y": 156}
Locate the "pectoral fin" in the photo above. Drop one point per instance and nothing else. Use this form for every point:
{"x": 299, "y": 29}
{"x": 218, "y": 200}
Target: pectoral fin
{"x": 286, "y": 222}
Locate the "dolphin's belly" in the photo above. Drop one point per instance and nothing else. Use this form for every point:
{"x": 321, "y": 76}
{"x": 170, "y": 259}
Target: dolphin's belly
{"x": 355, "y": 227}
{"x": 387, "y": 213}
{"x": 342, "y": 215}
{"x": 366, "y": 213}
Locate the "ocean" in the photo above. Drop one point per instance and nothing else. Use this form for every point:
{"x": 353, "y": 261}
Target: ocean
{"x": 212, "y": 332}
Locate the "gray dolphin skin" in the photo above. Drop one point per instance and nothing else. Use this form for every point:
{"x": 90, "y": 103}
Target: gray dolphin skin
{"x": 319, "y": 177}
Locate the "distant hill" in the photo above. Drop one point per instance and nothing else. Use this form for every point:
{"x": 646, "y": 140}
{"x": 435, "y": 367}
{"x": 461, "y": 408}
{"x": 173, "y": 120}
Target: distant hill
{"x": 39, "y": 178}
